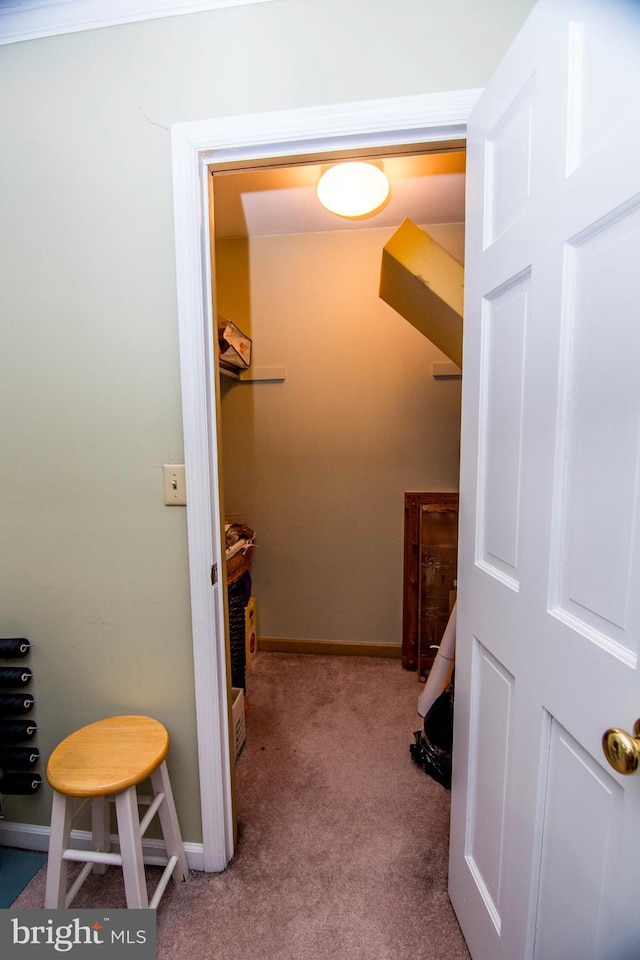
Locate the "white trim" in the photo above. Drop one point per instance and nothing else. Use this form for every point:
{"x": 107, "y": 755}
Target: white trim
{"x": 31, "y": 836}
{"x": 191, "y": 200}
{"x": 383, "y": 123}
{"x": 425, "y": 118}
{"x": 34, "y": 19}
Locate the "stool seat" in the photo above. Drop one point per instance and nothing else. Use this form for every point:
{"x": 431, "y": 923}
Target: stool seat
{"x": 107, "y": 756}
{"x": 101, "y": 763}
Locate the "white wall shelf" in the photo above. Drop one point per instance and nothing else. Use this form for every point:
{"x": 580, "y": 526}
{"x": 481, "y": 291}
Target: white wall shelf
{"x": 264, "y": 374}
{"x": 446, "y": 371}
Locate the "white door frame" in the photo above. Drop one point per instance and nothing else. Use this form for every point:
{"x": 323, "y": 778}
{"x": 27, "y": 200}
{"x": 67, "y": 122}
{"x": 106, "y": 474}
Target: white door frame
{"x": 428, "y": 118}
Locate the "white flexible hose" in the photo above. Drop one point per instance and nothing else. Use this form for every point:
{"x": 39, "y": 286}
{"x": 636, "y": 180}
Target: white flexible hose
{"x": 442, "y": 668}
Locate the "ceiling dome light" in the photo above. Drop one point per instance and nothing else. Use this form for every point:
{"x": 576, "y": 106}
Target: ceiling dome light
{"x": 353, "y": 189}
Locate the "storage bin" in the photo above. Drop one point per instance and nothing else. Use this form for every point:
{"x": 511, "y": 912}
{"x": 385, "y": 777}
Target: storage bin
{"x": 250, "y": 630}
{"x": 237, "y": 594}
{"x": 237, "y": 719}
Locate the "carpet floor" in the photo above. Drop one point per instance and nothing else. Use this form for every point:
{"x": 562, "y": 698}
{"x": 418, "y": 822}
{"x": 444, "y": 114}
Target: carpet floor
{"x": 343, "y": 840}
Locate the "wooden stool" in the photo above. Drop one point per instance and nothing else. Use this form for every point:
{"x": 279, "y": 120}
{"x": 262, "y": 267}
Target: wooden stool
{"x": 106, "y": 760}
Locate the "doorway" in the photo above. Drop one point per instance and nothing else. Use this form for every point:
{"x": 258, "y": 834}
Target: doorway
{"x": 377, "y": 126}
{"x": 338, "y": 414}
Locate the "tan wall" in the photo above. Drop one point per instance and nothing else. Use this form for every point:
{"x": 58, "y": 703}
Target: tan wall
{"x": 95, "y": 567}
{"x": 318, "y": 465}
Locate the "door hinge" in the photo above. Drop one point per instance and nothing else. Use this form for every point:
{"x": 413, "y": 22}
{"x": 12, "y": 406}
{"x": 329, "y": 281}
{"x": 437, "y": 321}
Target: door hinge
{"x": 214, "y": 574}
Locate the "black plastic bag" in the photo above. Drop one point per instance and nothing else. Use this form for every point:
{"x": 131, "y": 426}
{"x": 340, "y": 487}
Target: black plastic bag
{"x": 433, "y": 744}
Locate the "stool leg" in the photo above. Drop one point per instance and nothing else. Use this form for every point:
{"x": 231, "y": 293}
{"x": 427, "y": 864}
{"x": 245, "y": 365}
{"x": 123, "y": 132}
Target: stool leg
{"x": 131, "y": 849}
{"x": 169, "y": 822}
{"x": 59, "y": 839}
{"x": 100, "y": 829}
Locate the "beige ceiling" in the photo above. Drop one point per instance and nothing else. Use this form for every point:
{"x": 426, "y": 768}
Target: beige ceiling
{"x": 427, "y": 188}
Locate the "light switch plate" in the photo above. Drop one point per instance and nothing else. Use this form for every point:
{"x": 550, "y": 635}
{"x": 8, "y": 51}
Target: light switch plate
{"x": 175, "y": 491}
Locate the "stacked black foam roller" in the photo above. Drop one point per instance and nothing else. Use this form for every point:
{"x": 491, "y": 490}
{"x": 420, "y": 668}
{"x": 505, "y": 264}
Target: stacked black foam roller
{"x": 18, "y": 755}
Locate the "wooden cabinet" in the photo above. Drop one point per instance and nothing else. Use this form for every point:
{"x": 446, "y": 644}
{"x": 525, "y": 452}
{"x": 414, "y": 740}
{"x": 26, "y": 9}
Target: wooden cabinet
{"x": 430, "y": 565}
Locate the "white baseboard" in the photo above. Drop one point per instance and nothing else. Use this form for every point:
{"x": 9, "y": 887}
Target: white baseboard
{"x": 31, "y": 836}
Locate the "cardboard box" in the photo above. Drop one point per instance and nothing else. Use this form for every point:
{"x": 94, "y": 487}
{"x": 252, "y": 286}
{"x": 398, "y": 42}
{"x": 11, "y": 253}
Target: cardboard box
{"x": 250, "y": 630}
{"x": 237, "y": 718}
{"x": 425, "y": 285}
{"x": 235, "y": 346}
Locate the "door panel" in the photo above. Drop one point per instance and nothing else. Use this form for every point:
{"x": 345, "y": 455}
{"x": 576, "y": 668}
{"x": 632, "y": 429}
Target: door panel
{"x": 492, "y": 698}
{"x": 600, "y": 433}
{"x": 597, "y": 47}
{"x": 504, "y": 320}
{"x": 544, "y": 834}
{"x": 508, "y": 165}
{"x": 579, "y": 794}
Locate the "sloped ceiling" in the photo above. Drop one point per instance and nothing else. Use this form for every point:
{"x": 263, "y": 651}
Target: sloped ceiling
{"x": 427, "y": 188}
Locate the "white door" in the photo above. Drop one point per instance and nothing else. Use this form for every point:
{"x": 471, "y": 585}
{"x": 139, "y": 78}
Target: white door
{"x": 545, "y": 835}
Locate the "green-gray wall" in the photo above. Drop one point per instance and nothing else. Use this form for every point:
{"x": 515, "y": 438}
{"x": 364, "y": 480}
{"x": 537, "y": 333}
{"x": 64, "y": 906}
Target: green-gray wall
{"x": 94, "y": 566}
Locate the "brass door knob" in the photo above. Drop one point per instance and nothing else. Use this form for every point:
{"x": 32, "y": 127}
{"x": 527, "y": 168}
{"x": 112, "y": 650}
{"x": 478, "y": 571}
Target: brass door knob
{"x": 621, "y": 749}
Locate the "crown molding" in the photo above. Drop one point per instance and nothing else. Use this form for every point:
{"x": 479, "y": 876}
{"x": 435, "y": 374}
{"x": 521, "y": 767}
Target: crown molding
{"x": 34, "y": 19}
